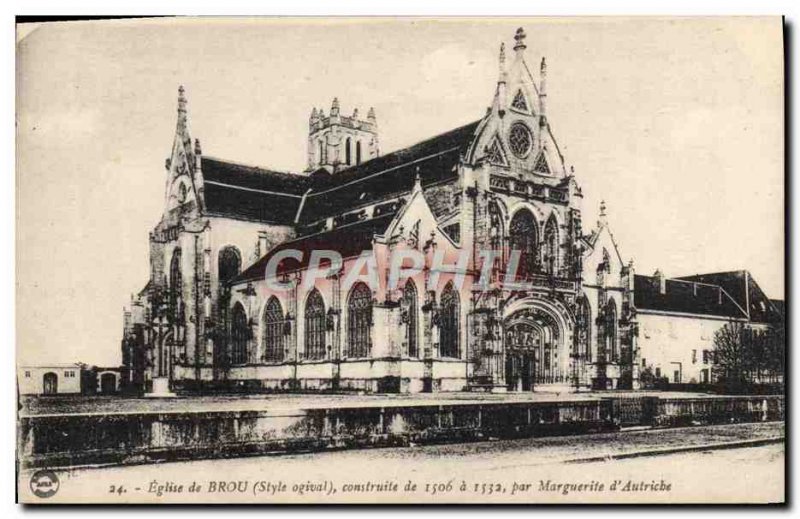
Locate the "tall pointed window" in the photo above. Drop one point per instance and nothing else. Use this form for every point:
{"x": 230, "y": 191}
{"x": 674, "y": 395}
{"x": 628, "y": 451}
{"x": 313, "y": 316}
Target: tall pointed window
{"x": 359, "y": 321}
{"x": 551, "y": 247}
{"x": 449, "y": 323}
{"x": 611, "y": 331}
{"x": 410, "y": 310}
{"x": 358, "y": 152}
{"x": 240, "y": 335}
{"x": 175, "y": 284}
{"x": 583, "y": 329}
{"x": 315, "y": 326}
{"x": 523, "y": 238}
{"x": 273, "y": 331}
{"x": 347, "y": 144}
{"x": 229, "y": 264}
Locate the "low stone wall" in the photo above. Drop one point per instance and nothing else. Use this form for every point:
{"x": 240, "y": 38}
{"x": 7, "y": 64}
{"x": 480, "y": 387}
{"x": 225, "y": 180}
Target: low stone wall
{"x": 81, "y": 439}
{"x": 668, "y": 411}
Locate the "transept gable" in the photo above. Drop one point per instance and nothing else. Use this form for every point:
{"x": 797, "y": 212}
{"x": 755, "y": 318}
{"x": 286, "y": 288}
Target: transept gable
{"x": 517, "y": 121}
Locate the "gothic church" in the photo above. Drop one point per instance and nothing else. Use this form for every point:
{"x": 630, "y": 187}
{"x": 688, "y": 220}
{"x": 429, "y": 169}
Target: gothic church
{"x": 208, "y": 319}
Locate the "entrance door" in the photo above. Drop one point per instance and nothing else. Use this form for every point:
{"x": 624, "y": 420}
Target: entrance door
{"x": 108, "y": 383}
{"x": 521, "y": 342}
{"x": 50, "y": 384}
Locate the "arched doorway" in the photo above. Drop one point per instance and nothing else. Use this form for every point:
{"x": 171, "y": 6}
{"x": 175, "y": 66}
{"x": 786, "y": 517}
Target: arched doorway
{"x": 535, "y": 346}
{"x": 50, "y": 383}
{"x": 108, "y": 383}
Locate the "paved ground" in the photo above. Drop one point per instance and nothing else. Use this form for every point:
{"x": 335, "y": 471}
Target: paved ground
{"x": 120, "y": 405}
{"x": 524, "y": 471}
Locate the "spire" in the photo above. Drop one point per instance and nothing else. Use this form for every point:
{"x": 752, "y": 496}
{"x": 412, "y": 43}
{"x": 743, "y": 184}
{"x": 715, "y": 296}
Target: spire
{"x": 335, "y": 107}
{"x": 371, "y": 115}
{"x": 355, "y": 114}
{"x": 542, "y": 90}
{"x": 500, "y": 95}
{"x": 519, "y": 37}
{"x": 181, "y": 110}
{"x": 603, "y": 217}
{"x": 321, "y": 113}
{"x": 502, "y": 64}
{"x": 417, "y": 180}
{"x": 313, "y": 114}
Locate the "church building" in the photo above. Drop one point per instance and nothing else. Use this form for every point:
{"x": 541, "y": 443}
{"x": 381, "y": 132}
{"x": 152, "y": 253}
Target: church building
{"x": 243, "y": 296}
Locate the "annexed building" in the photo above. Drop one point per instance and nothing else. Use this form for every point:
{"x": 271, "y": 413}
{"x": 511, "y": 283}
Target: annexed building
{"x": 678, "y": 319}
{"x": 55, "y": 379}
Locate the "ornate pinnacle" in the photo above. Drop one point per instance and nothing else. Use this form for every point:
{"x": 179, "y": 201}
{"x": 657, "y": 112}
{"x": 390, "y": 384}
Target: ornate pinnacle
{"x": 181, "y": 109}
{"x": 519, "y": 37}
{"x": 371, "y": 114}
{"x": 181, "y": 99}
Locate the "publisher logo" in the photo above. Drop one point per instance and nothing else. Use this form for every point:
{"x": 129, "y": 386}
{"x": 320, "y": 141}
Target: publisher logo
{"x": 44, "y": 483}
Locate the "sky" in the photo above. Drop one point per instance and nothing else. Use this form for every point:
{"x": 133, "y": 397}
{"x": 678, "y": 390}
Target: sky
{"x": 676, "y": 123}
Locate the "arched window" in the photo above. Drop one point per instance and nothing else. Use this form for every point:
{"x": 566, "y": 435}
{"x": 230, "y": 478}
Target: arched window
{"x": 347, "y": 151}
{"x": 448, "y": 323}
{"x": 175, "y": 284}
{"x": 359, "y": 321}
{"x": 410, "y": 310}
{"x": 229, "y": 263}
{"x": 240, "y": 335}
{"x": 551, "y": 246}
{"x": 611, "y": 331}
{"x": 523, "y": 238}
{"x": 315, "y": 326}
{"x": 583, "y": 330}
{"x": 358, "y": 152}
{"x": 321, "y": 152}
{"x": 273, "y": 331}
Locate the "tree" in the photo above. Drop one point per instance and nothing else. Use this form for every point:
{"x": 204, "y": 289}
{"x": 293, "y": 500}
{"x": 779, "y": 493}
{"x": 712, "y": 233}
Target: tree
{"x": 744, "y": 356}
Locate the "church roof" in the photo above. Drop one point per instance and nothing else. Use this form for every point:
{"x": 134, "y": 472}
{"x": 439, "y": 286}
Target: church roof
{"x": 392, "y": 174}
{"x": 348, "y": 240}
{"x": 264, "y": 195}
{"x": 251, "y": 193}
{"x": 684, "y": 297}
{"x": 745, "y": 291}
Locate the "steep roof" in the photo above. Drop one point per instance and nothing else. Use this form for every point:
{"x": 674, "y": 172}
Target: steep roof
{"x": 684, "y": 297}
{"x": 251, "y": 193}
{"x": 348, "y": 240}
{"x": 259, "y": 194}
{"x": 388, "y": 175}
{"x": 745, "y": 291}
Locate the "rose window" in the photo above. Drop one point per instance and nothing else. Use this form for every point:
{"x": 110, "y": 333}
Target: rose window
{"x": 519, "y": 140}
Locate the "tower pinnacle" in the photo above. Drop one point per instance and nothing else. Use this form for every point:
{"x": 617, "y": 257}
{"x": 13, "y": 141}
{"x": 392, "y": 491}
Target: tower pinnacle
{"x": 519, "y": 37}
{"x": 502, "y": 63}
{"x": 181, "y": 109}
{"x": 603, "y": 220}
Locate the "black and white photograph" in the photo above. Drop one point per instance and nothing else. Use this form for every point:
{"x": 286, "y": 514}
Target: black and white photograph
{"x": 408, "y": 260}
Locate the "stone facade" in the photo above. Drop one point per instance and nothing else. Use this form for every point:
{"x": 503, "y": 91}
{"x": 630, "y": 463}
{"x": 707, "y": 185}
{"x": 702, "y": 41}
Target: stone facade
{"x": 511, "y": 292}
